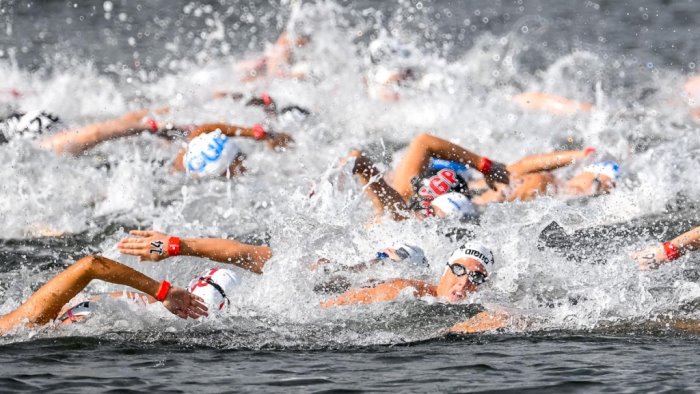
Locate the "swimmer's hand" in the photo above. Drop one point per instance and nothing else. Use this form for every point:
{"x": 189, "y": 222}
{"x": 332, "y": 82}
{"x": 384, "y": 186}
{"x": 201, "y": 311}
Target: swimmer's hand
{"x": 278, "y": 141}
{"x": 184, "y": 304}
{"x": 484, "y": 321}
{"x": 149, "y": 246}
{"x": 497, "y": 174}
{"x": 650, "y": 258}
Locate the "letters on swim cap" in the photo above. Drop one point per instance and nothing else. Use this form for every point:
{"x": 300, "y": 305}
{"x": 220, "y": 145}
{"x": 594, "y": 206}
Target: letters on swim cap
{"x": 474, "y": 250}
{"x": 210, "y": 154}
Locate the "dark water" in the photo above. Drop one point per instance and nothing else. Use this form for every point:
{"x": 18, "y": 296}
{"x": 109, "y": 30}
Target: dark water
{"x": 152, "y": 39}
{"x": 539, "y": 363}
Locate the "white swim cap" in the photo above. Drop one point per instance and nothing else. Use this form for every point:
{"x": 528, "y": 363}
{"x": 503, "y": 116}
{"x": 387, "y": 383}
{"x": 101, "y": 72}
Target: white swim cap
{"x": 455, "y": 205}
{"x": 28, "y": 125}
{"x": 607, "y": 168}
{"x": 210, "y": 154}
{"x": 474, "y": 250}
{"x": 411, "y": 254}
{"x": 214, "y": 286}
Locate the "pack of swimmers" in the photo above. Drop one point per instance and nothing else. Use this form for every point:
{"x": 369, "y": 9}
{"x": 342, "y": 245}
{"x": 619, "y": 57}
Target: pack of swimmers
{"x": 434, "y": 179}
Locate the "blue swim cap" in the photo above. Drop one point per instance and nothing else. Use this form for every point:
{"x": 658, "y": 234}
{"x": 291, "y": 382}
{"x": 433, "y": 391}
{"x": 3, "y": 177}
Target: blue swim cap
{"x": 210, "y": 154}
{"x": 608, "y": 168}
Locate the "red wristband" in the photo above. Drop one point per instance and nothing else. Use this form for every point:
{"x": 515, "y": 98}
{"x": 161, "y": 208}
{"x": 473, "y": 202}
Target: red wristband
{"x": 588, "y": 151}
{"x": 173, "y": 246}
{"x": 152, "y": 124}
{"x": 163, "y": 290}
{"x": 671, "y": 251}
{"x": 259, "y": 132}
{"x": 266, "y": 99}
{"x": 485, "y": 165}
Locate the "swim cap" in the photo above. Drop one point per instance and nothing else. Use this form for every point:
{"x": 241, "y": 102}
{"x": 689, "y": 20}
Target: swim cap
{"x": 214, "y": 286}
{"x": 27, "y": 125}
{"x": 411, "y": 254}
{"x": 454, "y": 205}
{"x": 607, "y": 168}
{"x": 210, "y": 154}
{"x": 474, "y": 250}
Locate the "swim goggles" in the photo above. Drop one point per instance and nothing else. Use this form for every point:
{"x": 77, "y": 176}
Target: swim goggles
{"x": 217, "y": 288}
{"x": 476, "y": 277}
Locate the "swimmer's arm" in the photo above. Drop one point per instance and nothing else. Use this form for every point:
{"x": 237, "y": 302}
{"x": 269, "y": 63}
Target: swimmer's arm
{"x": 79, "y": 140}
{"x": 152, "y": 246}
{"x": 250, "y": 257}
{"x": 551, "y": 103}
{"x": 483, "y": 321}
{"x": 384, "y": 197}
{"x": 382, "y": 292}
{"x": 547, "y": 161}
{"x": 426, "y": 146}
{"x": 653, "y": 257}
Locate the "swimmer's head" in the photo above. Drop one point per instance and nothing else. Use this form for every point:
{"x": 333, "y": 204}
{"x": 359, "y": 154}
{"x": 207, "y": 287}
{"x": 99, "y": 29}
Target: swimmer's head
{"x": 215, "y": 286}
{"x": 386, "y": 48}
{"x": 598, "y": 178}
{"x": 467, "y": 268}
{"x": 402, "y": 252}
{"x": 210, "y": 154}
{"x": 453, "y": 205}
{"x": 28, "y": 125}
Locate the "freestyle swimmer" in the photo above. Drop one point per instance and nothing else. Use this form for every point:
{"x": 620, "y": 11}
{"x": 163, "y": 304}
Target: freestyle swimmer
{"x": 531, "y": 177}
{"x": 655, "y": 256}
{"x": 416, "y": 188}
{"x": 157, "y": 246}
{"x": 47, "y": 303}
{"x": 467, "y": 268}
{"x": 211, "y": 155}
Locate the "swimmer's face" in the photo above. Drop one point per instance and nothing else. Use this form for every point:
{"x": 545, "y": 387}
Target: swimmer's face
{"x": 589, "y": 184}
{"x": 456, "y": 288}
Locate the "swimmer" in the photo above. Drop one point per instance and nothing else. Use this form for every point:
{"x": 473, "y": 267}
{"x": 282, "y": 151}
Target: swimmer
{"x": 531, "y": 177}
{"x": 655, "y": 256}
{"x": 47, "y": 303}
{"x": 210, "y": 156}
{"x": 401, "y": 253}
{"x": 270, "y": 106}
{"x": 280, "y": 60}
{"x": 551, "y": 103}
{"x": 394, "y": 67}
{"x": 467, "y": 268}
{"x": 156, "y": 246}
{"x": 421, "y": 189}
{"x": 212, "y": 152}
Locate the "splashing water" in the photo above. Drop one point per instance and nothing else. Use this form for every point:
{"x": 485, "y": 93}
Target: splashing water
{"x": 639, "y": 118}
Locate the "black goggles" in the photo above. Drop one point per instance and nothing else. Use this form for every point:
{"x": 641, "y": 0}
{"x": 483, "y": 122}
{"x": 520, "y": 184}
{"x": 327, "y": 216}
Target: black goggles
{"x": 217, "y": 288}
{"x": 476, "y": 277}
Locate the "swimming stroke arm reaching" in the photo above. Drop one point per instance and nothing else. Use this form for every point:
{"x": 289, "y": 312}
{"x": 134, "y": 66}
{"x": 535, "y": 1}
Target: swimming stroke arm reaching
{"x": 386, "y": 291}
{"x": 76, "y": 141}
{"x": 653, "y": 257}
{"x": 153, "y": 246}
{"x": 46, "y": 303}
{"x": 426, "y": 146}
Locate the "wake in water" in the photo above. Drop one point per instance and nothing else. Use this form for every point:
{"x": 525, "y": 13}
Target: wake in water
{"x": 338, "y": 82}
